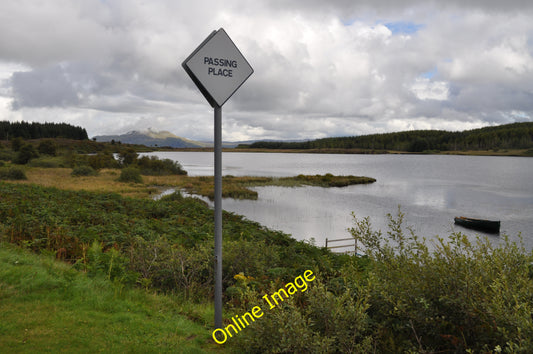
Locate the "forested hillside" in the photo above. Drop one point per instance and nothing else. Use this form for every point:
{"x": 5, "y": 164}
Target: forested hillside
{"x": 27, "y": 130}
{"x": 509, "y": 136}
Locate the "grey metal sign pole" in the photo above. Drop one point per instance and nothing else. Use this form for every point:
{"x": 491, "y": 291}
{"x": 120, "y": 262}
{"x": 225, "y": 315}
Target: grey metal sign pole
{"x": 218, "y": 69}
{"x": 218, "y": 217}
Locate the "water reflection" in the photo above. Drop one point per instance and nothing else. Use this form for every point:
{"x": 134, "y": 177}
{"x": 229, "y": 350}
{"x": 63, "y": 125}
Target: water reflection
{"x": 430, "y": 189}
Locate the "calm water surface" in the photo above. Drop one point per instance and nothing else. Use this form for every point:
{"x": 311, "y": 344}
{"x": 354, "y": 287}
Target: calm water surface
{"x": 431, "y": 190}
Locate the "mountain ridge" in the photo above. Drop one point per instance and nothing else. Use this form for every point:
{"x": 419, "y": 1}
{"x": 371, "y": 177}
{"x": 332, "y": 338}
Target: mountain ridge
{"x": 151, "y": 137}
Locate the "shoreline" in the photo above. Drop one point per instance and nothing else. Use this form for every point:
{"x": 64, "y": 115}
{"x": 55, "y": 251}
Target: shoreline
{"x": 506, "y": 152}
{"x": 236, "y": 187}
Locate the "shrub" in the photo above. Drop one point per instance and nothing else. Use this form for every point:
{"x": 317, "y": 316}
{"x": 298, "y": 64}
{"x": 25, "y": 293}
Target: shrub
{"x": 324, "y": 324}
{"x": 13, "y": 173}
{"x": 153, "y": 166}
{"x": 172, "y": 267}
{"x": 47, "y": 147}
{"x": 25, "y": 154}
{"x": 173, "y": 197}
{"x": 130, "y": 174}
{"x": 103, "y": 159}
{"x": 110, "y": 263}
{"x": 17, "y": 143}
{"x": 7, "y": 155}
{"x": 128, "y": 156}
{"x": 84, "y": 171}
{"x": 457, "y": 297}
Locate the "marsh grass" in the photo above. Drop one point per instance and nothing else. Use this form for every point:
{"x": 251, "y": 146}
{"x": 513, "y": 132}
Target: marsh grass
{"x": 238, "y": 187}
{"x": 105, "y": 181}
{"x": 232, "y": 187}
{"x": 46, "y": 305}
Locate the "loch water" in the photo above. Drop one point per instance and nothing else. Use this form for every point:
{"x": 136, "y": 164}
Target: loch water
{"x": 430, "y": 189}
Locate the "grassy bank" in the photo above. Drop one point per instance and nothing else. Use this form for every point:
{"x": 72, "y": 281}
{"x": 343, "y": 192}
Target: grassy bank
{"x": 455, "y": 296}
{"x": 233, "y": 187}
{"x": 136, "y": 275}
{"x": 48, "y": 306}
{"x": 113, "y": 245}
{"x": 166, "y": 244}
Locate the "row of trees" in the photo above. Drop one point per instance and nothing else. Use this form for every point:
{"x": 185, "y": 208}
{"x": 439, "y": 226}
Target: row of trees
{"x": 27, "y": 130}
{"x": 510, "y": 136}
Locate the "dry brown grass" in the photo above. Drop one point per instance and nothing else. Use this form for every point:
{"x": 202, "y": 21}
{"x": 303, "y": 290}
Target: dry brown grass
{"x": 232, "y": 187}
{"x": 106, "y": 181}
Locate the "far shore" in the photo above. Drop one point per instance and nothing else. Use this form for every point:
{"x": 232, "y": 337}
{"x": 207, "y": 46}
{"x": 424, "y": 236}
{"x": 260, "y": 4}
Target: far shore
{"x": 503, "y": 152}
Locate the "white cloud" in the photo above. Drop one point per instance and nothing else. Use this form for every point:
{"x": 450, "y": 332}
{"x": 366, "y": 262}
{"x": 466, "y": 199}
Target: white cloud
{"x": 321, "y": 68}
{"x": 425, "y": 89}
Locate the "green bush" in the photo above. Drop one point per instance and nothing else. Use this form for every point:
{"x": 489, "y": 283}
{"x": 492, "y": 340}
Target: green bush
{"x": 457, "y": 296}
{"x": 451, "y": 296}
{"x": 153, "y": 166}
{"x": 25, "y": 154}
{"x": 110, "y": 263}
{"x": 103, "y": 159}
{"x": 47, "y": 147}
{"x": 282, "y": 330}
{"x": 7, "y": 155}
{"x": 98, "y": 161}
{"x": 316, "y": 321}
{"x": 84, "y": 171}
{"x": 130, "y": 174}
{"x": 13, "y": 173}
{"x": 174, "y": 197}
{"x": 128, "y": 156}
{"x": 17, "y": 143}
{"x": 172, "y": 267}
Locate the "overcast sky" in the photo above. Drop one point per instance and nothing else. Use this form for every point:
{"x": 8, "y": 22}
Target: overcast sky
{"x": 322, "y": 68}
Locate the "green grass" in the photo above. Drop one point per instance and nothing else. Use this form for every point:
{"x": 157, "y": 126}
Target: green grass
{"x": 237, "y": 187}
{"x": 47, "y": 162}
{"x": 163, "y": 246}
{"x": 47, "y": 306}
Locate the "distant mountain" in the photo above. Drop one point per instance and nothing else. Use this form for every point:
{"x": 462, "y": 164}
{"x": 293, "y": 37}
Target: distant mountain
{"x": 153, "y": 138}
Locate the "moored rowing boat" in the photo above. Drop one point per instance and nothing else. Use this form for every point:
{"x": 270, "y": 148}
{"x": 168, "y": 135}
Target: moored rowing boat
{"x": 478, "y": 224}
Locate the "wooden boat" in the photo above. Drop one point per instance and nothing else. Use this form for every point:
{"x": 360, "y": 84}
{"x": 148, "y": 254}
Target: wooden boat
{"x": 479, "y": 224}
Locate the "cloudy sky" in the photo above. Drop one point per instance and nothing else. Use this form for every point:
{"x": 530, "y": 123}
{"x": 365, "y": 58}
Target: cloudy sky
{"x": 322, "y": 68}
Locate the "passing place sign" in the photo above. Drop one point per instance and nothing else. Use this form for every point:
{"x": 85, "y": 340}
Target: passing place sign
{"x": 217, "y": 67}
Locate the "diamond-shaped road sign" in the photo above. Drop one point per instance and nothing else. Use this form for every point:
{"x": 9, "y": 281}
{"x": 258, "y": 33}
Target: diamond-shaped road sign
{"x": 217, "y": 67}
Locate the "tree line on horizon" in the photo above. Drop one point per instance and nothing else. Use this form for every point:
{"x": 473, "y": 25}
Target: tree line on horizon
{"x": 509, "y": 136}
{"x": 33, "y": 130}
